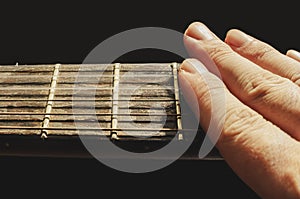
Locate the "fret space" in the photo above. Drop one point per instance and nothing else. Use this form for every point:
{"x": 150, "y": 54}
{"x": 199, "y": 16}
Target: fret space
{"x": 84, "y": 93}
{"x": 146, "y": 101}
{"x": 21, "y": 92}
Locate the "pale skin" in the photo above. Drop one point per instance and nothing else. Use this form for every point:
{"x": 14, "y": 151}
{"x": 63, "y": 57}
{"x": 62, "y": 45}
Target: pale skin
{"x": 260, "y": 138}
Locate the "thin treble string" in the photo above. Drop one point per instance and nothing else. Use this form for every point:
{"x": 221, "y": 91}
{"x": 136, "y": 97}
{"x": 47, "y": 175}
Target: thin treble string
{"x": 88, "y": 100}
{"x": 87, "y": 114}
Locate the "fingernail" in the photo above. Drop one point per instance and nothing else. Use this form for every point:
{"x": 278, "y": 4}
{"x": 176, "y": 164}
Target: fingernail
{"x": 237, "y": 38}
{"x": 204, "y": 32}
{"x": 294, "y": 54}
{"x": 193, "y": 66}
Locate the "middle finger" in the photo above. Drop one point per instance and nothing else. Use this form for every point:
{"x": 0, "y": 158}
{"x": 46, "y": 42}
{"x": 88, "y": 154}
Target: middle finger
{"x": 264, "y": 55}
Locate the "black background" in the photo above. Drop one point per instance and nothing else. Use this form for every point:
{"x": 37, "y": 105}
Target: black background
{"x": 48, "y": 32}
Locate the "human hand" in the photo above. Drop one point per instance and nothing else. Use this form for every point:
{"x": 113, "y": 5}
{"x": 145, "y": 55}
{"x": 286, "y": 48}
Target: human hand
{"x": 261, "y": 87}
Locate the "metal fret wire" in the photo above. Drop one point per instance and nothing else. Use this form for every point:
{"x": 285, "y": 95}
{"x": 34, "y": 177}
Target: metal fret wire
{"x": 48, "y": 109}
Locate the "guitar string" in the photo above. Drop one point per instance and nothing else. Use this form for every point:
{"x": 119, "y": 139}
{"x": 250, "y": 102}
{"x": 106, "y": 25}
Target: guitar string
{"x": 83, "y": 88}
{"x": 69, "y": 76}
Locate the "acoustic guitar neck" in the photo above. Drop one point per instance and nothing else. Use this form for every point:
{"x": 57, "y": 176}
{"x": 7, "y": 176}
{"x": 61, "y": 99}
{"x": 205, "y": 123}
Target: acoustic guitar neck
{"x": 45, "y": 109}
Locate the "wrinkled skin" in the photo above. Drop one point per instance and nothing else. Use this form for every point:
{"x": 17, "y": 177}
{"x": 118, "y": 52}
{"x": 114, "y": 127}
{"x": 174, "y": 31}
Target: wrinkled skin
{"x": 260, "y": 138}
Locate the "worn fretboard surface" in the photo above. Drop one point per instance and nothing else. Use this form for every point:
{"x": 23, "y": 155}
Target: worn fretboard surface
{"x": 134, "y": 102}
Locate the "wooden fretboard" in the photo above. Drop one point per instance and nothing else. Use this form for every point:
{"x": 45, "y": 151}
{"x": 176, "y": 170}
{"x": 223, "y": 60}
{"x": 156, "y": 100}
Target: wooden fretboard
{"x": 126, "y": 102}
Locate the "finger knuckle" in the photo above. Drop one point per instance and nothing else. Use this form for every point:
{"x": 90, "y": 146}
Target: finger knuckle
{"x": 238, "y": 122}
{"x": 219, "y": 52}
{"x": 261, "y": 88}
{"x": 259, "y": 51}
{"x": 296, "y": 78}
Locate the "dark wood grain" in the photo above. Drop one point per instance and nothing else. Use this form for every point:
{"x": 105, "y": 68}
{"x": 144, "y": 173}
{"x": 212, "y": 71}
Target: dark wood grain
{"x": 145, "y": 89}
